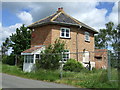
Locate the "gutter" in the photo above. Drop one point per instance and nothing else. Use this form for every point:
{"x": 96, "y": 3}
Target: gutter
{"x": 77, "y": 42}
{"x": 61, "y": 23}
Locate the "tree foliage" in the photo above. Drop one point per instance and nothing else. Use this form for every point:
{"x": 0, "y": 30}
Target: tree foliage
{"x": 73, "y": 65}
{"x": 5, "y": 46}
{"x": 20, "y": 40}
{"x": 108, "y": 37}
{"x": 51, "y": 56}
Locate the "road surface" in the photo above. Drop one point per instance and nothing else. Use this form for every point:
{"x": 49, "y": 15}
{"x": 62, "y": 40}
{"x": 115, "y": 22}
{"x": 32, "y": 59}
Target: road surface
{"x": 9, "y": 81}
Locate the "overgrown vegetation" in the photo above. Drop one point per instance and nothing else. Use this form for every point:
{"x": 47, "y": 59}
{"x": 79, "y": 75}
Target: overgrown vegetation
{"x": 19, "y": 41}
{"x": 0, "y": 66}
{"x": 8, "y": 59}
{"x": 50, "y": 57}
{"x": 72, "y": 65}
{"x": 84, "y": 78}
{"x": 108, "y": 37}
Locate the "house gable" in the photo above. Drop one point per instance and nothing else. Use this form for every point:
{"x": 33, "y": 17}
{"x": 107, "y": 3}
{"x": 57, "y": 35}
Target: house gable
{"x": 61, "y": 18}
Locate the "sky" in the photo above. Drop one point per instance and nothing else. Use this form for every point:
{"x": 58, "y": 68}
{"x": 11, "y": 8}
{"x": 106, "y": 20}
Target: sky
{"x": 95, "y": 14}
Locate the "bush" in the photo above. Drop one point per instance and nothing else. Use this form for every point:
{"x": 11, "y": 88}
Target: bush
{"x": 73, "y": 65}
{"x": 8, "y": 59}
{"x": 51, "y": 56}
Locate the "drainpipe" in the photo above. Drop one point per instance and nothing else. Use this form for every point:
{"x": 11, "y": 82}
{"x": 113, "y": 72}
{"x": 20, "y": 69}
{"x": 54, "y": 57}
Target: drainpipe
{"x": 77, "y": 42}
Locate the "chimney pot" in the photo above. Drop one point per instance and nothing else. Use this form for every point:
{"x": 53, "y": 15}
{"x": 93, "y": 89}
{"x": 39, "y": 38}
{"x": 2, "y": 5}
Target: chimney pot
{"x": 60, "y": 9}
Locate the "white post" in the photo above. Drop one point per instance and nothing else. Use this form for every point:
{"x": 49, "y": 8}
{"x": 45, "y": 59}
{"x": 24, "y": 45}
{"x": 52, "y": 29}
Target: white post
{"x": 34, "y": 58}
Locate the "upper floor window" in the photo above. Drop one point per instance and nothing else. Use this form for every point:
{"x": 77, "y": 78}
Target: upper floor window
{"x": 65, "y": 32}
{"x": 87, "y": 36}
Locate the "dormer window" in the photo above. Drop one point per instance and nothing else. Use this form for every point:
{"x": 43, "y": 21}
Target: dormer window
{"x": 87, "y": 36}
{"x": 65, "y": 33}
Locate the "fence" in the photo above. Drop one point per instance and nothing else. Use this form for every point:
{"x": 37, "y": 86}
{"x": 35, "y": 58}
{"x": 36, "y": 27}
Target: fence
{"x": 99, "y": 59}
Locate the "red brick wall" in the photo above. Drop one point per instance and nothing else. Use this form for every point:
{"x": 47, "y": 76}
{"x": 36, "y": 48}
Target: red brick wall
{"x": 103, "y": 62}
{"x": 41, "y": 36}
{"x": 71, "y": 43}
{"x": 46, "y": 35}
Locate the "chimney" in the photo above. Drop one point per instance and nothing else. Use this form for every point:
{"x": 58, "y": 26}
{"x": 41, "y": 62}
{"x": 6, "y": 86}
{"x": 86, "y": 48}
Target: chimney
{"x": 60, "y": 9}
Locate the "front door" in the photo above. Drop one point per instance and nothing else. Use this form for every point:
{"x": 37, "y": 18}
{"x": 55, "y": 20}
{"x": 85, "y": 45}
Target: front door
{"x": 85, "y": 56}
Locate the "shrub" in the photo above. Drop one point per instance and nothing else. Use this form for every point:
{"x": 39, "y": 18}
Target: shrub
{"x": 8, "y": 59}
{"x": 73, "y": 65}
{"x": 51, "y": 56}
{"x": 37, "y": 64}
{"x": 103, "y": 77}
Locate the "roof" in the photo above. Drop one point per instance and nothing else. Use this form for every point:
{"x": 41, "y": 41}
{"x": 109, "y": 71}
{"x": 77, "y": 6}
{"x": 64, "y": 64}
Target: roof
{"x": 60, "y": 17}
{"x": 100, "y": 52}
{"x": 30, "y": 50}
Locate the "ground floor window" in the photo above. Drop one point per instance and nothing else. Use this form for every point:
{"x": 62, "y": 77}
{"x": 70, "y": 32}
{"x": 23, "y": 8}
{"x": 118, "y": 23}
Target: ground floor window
{"x": 37, "y": 57}
{"x": 28, "y": 58}
{"x": 65, "y": 55}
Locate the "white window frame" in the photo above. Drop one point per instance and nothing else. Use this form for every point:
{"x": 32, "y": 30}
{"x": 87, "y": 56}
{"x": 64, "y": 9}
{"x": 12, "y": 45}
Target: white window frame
{"x": 87, "y": 36}
{"x": 38, "y": 57}
{"x": 29, "y": 59}
{"x": 65, "y": 36}
{"x": 65, "y": 59}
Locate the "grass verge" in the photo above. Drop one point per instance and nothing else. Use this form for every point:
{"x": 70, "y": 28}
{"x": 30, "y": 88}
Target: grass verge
{"x": 83, "y": 79}
{"x": 0, "y": 66}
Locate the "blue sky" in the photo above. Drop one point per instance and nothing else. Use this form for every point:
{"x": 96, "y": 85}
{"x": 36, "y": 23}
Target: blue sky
{"x": 94, "y": 14}
{"x": 106, "y": 5}
{"x": 8, "y": 15}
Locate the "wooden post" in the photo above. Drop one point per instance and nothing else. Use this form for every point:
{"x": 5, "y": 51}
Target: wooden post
{"x": 77, "y": 46}
{"x": 89, "y": 66}
{"x": 15, "y": 60}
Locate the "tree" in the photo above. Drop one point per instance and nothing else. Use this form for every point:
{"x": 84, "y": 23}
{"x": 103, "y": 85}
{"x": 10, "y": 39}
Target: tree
{"x": 101, "y": 39}
{"x": 20, "y": 40}
{"x": 51, "y": 56}
{"x": 5, "y": 46}
{"x": 108, "y": 36}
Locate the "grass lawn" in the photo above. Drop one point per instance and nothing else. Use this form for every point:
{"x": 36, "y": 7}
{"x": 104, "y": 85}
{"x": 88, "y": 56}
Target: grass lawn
{"x": 83, "y": 79}
{"x": 0, "y": 66}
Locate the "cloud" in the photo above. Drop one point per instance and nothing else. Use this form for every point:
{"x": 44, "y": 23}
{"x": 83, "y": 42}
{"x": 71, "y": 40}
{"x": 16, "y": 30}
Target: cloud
{"x": 90, "y": 15}
{"x": 84, "y": 12}
{"x": 114, "y": 14}
{"x": 25, "y": 17}
{"x": 7, "y": 31}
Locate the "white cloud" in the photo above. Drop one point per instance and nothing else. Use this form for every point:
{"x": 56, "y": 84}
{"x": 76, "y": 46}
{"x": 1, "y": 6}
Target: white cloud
{"x": 114, "y": 14}
{"x": 85, "y": 12}
{"x": 7, "y": 31}
{"x": 25, "y": 17}
{"x": 90, "y": 15}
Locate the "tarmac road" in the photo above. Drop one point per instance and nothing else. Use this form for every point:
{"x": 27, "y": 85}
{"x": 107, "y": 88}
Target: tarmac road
{"x": 9, "y": 81}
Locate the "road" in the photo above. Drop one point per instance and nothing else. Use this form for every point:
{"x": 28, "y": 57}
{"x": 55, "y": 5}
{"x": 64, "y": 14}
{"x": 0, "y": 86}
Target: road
{"x": 9, "y": 81}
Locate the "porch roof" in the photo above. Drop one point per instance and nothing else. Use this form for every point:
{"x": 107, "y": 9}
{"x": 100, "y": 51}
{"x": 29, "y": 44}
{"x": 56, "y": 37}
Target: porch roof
{"x": 30, "y": 50}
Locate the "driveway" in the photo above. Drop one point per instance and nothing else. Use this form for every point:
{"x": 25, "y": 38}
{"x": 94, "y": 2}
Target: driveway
{"x": 9, "y": 81}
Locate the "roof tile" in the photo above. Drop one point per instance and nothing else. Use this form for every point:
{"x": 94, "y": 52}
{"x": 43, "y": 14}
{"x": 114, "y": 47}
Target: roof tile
{"x": 30, "y": 50}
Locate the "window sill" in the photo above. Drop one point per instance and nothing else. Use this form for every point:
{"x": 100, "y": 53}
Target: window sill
{"x": 87, "y": 41}
{"x": 62, "y": 61}
{"x": 65, "y": 37}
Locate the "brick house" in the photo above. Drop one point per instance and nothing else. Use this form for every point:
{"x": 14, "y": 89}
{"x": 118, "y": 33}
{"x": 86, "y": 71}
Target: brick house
{"x": 78, "y": 36}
